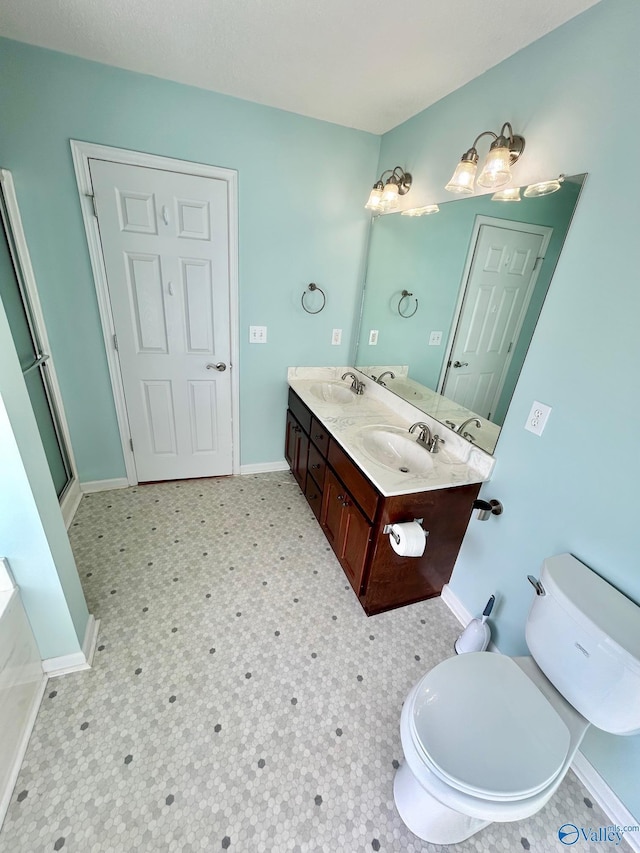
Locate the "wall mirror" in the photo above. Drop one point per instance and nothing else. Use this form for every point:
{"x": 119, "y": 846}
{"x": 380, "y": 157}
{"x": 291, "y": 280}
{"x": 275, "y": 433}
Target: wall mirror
{"x": 451, "y": 301}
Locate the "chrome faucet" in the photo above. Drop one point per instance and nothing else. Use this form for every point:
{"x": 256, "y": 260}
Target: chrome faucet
{"x": 424, "y": 438}
{"x": 468, "y": 435}
{"x": 382, "y": 375}
{"x": 356, "y": 386}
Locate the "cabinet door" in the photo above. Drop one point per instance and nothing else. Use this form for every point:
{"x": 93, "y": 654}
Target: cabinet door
{"x": 333, "y": 496}
{"x": 289, "y": 439}
{"x": 346, "y": 528}
{"x": 296, "y": 450}
{"x": 354, "y": 542}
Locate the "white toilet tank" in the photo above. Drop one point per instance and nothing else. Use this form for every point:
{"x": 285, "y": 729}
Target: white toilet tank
{"x": 585, "y": 636}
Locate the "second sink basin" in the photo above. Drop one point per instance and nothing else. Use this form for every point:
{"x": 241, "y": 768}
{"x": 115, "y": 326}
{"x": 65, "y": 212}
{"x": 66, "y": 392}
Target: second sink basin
{"x": 395, "y": 449}
{"x": 332, "y": 392}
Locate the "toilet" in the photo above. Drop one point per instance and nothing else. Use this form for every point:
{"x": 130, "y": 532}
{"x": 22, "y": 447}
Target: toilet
{"x": 489, "y": 738}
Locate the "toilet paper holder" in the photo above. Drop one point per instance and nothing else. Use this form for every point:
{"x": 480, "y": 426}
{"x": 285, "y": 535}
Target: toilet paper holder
{"x": 387, "y": 531}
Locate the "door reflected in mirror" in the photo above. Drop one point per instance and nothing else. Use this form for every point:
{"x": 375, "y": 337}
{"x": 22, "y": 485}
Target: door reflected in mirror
{"x": 452, "y": 300}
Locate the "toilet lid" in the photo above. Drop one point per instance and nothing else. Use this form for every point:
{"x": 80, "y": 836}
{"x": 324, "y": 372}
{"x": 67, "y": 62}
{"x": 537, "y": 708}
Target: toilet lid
{"x": 482, "y": 726}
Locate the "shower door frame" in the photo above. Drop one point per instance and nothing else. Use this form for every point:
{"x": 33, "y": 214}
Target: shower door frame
{"x": 70, "y": 497}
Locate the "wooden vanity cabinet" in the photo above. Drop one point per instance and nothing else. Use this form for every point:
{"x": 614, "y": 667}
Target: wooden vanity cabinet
{"x": 353, "y": 514}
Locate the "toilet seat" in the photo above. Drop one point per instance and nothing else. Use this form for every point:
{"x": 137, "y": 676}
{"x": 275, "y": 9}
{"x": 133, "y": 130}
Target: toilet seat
{"x": 485, "y": 729}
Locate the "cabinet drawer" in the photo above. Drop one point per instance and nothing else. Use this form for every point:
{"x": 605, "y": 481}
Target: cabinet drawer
{"x": 316, "y": 464}
{"x": 319, "y": 436}
{"x": 361, "y": 489}
{"x": 300, "y": 411}
{"x": 313, "y": 494}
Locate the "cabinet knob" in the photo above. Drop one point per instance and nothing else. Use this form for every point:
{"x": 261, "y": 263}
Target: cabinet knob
{"x": 315, "y": 466}
{"x": 296, "y": 429}
{"x": 319, "y": 436}
{"x": 346, "y": 503}
{"x": 340, "y": 497}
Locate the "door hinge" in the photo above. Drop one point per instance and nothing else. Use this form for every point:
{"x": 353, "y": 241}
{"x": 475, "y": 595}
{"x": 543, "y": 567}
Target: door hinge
{"x": 115, "y": 342}
{"x": 537, "y": 263}
{"x": 510, "y": 347}
{"x": 131, "y": 444}
{"x": 93, "y": 204}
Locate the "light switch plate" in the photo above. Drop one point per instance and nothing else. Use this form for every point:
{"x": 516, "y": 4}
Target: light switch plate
{"x": 336, "y": 337}
{"x": 257, "y": 334}
{"x": 373, "y": 337}
{"x": 537, "y": 419}
{"x": 435, "y": 339}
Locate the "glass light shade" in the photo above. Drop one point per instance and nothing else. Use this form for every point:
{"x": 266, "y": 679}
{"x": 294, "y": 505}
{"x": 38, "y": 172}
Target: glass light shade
{"x": 496, "y": 171}
{"x": 463, "y": 178}
{"x": 543, "y": 188}
{"x": 390, "y": 197}
{"x": 421, "y": 211}
{"x": 375, "y": 200}
{"x": 510, "y": 194}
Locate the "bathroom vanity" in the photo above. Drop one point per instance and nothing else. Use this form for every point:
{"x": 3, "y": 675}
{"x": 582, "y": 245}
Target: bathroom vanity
{"x": 354, "y": 495}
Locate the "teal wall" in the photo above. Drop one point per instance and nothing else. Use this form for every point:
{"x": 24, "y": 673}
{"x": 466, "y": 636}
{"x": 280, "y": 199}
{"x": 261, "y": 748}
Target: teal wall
{"x": 575, "y": 488}
{"x": 302, "y": 184}
{"x": 426, "y": 255}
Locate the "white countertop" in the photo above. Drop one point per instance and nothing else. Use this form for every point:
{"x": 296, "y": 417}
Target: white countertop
{"x": 459, "y": 463}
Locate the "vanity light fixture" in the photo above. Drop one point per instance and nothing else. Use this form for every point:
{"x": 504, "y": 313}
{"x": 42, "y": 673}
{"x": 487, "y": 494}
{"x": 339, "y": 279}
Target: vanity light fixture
{"x": 427, "y": 210}
{"x": 496, "y": 172}
{"x": 544, "y": 187}
{"x": 510, "y": 194}
{"x": 386, "y": 193}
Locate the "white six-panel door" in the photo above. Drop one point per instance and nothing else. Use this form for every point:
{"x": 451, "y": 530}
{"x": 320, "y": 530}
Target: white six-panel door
{"x": 165, "y": 244}
{"x": 499, "y": 288}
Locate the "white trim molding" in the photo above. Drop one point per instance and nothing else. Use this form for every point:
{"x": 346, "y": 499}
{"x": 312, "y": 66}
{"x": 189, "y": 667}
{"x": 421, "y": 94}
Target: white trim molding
{"x": 264, "y": 467}
{"x": 70, "y": 501}
{"x": 78, "y": 661}
{"x": 104, "y": 485}
{"x": 608, "y": 801}
{"x": 82, "y": 152}
{"x": 604, "y": 796}
{"x": 27, "y": 728}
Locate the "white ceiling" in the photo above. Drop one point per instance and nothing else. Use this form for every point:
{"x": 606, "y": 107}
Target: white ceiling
{"x": 368, "y": 64}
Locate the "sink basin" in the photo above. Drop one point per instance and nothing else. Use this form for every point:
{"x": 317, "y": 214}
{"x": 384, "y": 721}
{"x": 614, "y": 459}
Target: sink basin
{"x": 396, "y": 450}
{"x": 332, "y": 392}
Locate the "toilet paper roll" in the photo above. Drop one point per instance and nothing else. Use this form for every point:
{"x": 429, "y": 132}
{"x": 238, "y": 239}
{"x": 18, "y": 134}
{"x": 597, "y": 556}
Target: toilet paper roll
{"x": 408, "y": 539}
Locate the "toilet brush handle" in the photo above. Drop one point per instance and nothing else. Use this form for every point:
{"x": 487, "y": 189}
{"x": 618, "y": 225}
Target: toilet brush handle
{"x": 489, "y": 607}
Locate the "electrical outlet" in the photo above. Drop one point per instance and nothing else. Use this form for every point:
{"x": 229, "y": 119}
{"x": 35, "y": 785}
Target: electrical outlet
{"x": 257, "y": 334}
{"x": 336, "y": 337}
{"x": 435, "y": 339}
{"x": 373, "y": 337}
{"x": 537, "y": 419}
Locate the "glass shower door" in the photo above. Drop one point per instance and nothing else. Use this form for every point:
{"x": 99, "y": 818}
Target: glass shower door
{"x": 32, "y": 359}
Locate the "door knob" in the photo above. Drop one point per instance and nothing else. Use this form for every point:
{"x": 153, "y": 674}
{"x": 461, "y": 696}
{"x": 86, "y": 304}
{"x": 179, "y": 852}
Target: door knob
{"x": 221, "y": 366}
{"x": 461, "y": 364}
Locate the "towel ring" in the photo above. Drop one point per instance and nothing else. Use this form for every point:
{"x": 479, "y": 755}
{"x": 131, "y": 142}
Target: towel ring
{"x": 311, "y": 288}
{"x": 406, "y": 295}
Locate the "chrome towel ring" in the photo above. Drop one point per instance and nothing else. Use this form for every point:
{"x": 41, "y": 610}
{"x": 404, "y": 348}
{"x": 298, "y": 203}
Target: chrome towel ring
{"x": 310, "y": 289}
{"x": 406, "y": 295}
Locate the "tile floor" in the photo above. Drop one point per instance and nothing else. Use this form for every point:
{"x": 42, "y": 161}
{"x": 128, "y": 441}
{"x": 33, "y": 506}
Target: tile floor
{"x": 240, "y": 699}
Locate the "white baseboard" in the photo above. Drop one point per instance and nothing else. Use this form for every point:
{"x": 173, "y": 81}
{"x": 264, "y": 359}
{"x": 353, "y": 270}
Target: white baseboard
{"x": 70, "y": 502}
{"x": 264, "y": 467}
{"x": 29, "y": 722}
{"x": 78, "y": 661}
{"x": 610, "y": 804}
{"x": 104, "y": 485}
{"x": 604, "y": 796}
